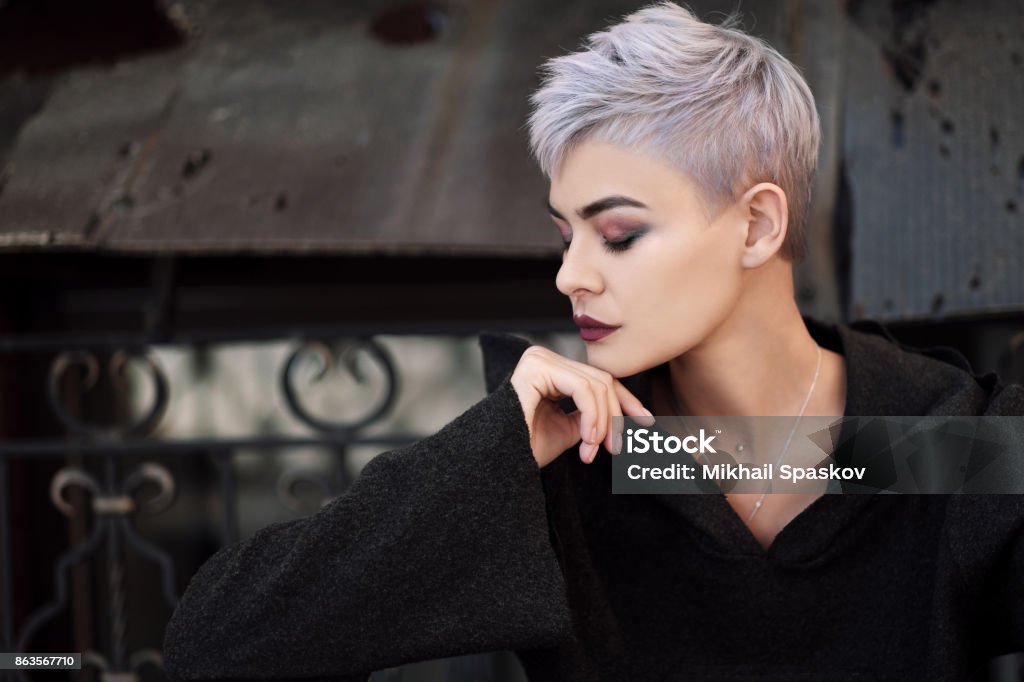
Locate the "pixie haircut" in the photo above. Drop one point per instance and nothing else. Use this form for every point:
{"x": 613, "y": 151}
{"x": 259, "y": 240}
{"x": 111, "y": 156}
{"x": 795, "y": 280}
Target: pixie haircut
{"x": 720, "y": 105}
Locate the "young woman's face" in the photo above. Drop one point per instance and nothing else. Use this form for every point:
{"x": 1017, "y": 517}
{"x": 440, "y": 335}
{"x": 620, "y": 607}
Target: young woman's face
{"x": 641, "y": 255}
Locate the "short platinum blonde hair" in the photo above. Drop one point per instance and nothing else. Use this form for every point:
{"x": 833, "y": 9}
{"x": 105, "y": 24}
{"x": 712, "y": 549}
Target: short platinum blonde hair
{"x": 720, "y": 105}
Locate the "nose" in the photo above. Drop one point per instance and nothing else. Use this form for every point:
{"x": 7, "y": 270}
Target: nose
{"x": 578, "y": 274}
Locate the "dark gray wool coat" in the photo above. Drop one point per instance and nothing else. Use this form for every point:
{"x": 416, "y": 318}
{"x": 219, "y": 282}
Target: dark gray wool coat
{"x": 460, "y": 544}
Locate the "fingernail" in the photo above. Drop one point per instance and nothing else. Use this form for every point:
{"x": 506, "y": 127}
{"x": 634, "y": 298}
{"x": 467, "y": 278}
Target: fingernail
{"x": 593, "y": 434}
{"x": 648, "y": 412}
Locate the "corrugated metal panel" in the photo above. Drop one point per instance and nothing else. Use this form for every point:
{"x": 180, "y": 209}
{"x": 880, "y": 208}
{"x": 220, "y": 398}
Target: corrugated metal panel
{"x": 934, "y": 156}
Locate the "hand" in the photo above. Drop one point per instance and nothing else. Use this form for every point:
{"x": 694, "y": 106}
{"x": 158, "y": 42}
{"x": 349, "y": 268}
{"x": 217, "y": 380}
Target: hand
{"x": 543, "y": 377}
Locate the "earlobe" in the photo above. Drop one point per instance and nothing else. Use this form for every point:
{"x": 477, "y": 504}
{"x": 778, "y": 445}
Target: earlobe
{"x": 767, "y": 214}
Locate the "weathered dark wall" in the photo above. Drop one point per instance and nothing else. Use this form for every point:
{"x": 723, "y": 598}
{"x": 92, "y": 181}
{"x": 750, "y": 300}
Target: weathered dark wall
{"x": 933, "y": 151}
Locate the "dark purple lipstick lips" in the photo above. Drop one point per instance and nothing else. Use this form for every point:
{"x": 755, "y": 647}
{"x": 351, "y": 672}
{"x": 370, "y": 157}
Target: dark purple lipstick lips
{"x": 591, "y": 329}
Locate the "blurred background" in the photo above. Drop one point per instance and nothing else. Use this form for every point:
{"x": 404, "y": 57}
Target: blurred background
{"x": 246, "y": 245}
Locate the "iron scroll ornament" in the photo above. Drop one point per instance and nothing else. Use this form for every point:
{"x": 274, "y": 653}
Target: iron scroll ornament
{"x": 117, "y": 368}
{"x": 349, "y": 356}
{"x": 112, "y": 510}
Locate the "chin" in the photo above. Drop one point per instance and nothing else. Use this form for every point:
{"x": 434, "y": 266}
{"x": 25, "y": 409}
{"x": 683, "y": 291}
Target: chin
{"x": 614, "y": 363}
{"x": 631, "y": 358}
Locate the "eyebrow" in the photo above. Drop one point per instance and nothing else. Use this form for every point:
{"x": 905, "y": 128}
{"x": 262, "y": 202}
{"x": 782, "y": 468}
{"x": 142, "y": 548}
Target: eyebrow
{"x": 595, "y": 207}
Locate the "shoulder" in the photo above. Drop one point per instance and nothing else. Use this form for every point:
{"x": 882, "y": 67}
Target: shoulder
{"x": 893, "y": 378}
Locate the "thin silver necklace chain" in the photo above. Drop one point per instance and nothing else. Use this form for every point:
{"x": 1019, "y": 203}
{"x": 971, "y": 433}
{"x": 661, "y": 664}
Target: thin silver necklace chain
{"x": 789, "y": 438}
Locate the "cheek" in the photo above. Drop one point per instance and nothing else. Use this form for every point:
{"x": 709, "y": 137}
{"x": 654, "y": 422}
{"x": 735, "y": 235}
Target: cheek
{"x": 717, "y": 287}
{"x": 670, "y": 300}
{"x": 689, "y": 279}
{"x": 687, "y": 292}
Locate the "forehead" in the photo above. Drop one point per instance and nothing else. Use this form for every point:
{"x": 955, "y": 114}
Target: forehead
{"x": 595, "y": 169}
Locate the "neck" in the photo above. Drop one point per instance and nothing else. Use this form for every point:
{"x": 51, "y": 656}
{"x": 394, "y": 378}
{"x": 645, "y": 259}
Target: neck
{"x": 759, "y": 361}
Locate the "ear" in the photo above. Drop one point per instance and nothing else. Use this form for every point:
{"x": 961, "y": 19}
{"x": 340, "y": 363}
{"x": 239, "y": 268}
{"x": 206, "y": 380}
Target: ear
{"x": 766, "y": 211}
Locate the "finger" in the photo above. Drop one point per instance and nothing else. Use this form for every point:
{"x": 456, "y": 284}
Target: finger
{"x": 575, "y": 420}
{"x": 614, "y": 438}
{"x": 620, "y": 401}
{"x": 600, "y": 390}
{"x": 604, "y": 383}
{"x": 575, "y": 384}
{"x": 603, "y": 394}
{"x": 610, "y": 403}
{"x": 586, "y": 452}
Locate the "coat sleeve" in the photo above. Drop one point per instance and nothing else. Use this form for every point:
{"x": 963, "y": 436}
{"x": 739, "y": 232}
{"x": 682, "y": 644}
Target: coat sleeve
{"x": 438, "y": 549}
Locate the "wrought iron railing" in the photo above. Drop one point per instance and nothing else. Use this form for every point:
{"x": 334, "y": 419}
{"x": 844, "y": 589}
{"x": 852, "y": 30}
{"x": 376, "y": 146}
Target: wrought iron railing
{"x": 118, "y": 460}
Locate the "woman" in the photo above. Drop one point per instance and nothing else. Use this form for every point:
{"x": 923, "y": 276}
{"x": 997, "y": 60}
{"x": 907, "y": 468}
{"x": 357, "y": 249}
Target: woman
{"x": 680, "y": 156}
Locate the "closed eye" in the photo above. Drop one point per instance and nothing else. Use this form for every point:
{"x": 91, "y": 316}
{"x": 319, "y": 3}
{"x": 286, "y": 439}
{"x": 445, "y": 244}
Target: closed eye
{"x": 617, "y": 246}
{"x": 621, "y": 245}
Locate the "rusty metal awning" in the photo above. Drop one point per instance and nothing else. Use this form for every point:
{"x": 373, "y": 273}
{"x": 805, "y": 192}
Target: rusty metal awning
{"x": 299, "y": 127}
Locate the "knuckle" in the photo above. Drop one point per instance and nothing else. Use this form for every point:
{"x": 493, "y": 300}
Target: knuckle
{"x": 532, "y": 358}
{"x": 532, "y": 352}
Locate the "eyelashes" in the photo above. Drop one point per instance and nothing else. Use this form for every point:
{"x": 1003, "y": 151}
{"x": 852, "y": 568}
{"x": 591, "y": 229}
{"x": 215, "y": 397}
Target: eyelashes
{"x": 622, "y": 244}
{"x": 617, "y": 246}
